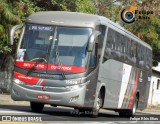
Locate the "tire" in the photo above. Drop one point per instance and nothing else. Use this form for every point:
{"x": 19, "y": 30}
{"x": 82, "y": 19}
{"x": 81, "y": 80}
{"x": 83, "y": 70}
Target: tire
{"x": 123, "y": 113}
{"x": 98, "y": 105}
{"x": 36, "y": 107}
{"x": 130, "y": 112}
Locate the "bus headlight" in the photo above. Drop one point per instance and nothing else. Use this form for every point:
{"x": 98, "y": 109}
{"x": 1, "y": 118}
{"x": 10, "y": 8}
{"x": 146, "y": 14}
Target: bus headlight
{"x": 17, "y": 81}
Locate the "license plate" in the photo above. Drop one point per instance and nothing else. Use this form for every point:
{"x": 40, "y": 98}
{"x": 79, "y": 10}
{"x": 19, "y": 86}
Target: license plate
{"x": 43, "y": 97}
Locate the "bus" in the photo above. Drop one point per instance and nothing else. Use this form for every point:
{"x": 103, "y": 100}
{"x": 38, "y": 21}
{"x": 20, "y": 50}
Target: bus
{"x": 82, "y": 61}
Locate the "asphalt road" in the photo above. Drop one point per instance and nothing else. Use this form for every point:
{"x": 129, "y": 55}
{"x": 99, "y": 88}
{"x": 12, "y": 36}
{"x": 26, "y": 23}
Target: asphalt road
{"x": 64, "y": 114}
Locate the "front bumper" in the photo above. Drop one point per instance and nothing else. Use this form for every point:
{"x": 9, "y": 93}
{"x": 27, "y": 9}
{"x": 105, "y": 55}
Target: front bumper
{"x": 73, "y": 98}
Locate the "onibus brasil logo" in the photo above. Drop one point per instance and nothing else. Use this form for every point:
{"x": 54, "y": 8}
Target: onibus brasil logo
{"x": 129, "y": 14}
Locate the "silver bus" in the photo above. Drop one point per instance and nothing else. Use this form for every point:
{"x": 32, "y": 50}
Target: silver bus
{"x": 82, "y": 61}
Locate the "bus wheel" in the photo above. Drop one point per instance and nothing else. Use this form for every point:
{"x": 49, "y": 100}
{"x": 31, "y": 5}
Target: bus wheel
{"x": 132, "y": 111}
{"x": 36, "y": 107}
{"x": 95, "y": 111}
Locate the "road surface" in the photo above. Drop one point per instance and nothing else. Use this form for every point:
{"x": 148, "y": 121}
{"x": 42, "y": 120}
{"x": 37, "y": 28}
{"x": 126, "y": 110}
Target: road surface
{"x": 64, "y": 114}
{"x": 21, "y": 111}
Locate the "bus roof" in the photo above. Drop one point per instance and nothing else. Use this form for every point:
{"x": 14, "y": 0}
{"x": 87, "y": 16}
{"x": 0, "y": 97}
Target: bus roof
{"x": 64, "y": 18}
{"x": 75, "y": 19}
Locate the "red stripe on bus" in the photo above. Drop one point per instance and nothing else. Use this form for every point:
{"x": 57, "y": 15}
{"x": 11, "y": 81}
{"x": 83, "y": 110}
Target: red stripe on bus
{"x": 26, "y": 79}
{"x": 51, "y": 67}
{"x": 65, "y": 68}
{"x": 28, "y": 65}
{"x": 133, "y": 92}
{"x": 42, "y": 84}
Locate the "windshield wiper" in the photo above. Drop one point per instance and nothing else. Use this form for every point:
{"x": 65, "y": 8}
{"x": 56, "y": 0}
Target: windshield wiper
{"x": 59, "y": 62}
{"x": 35, "y": 64}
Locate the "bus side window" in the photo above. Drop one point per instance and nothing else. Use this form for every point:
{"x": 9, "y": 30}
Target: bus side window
{"x": 150, "y": 58}
{"x": 114, "y": 40}
{"x": 140, "y": 52}
{"x": 145, "y": 57}
{"x": 118, "y": 42}
{"x": 107, "y": 50}
{"x": 123, "y": 45}
{"x": 128, "y": 47}
{"x": 109, "y": 41}
{"x": 102, "y": 29}
{"x": 148, "y": 61}
{"x": 133, "y": 51}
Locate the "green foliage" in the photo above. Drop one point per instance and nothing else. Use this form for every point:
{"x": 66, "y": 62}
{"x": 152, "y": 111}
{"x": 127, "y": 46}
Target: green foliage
{"x": 84, "y": 6}
{"x": 107, "y": 8}
{"x": 66, "y": 5}
{"x": 25, "y": 8}
{"x": 7, "y": 17}
{"x": 12, "y": 12}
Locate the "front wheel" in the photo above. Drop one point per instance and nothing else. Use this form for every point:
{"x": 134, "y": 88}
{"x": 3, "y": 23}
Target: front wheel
{"x": 95, "y": 111}
{"x": 36, "y": 107}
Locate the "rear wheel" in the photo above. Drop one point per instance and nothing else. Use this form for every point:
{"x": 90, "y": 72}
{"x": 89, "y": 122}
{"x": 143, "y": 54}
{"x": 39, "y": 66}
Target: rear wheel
{"x": 36, "y": 107}
{"x": 130, "y": 112}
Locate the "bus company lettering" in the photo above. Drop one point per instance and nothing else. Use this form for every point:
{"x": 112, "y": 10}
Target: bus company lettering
{"x": 27, "y": 65}
{"x": 42, "y": 28}
{"x": 50, "y": 67}
{"x": 30, "y": 65}
{"x": 54, "y": 67}
{"x": 71, "y": 82}
{"x": 25, "y": 77}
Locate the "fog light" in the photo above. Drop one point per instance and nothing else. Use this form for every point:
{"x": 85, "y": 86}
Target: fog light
{"x": 73, "y": 99}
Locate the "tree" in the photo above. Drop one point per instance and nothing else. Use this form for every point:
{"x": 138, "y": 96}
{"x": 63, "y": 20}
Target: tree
{"x": 7, "y": 18}
{"x": 66, "y": 5}
{"x": 107, "y": 8}
{"x": 147, "y": 30}
{"x": 12, "y": 12}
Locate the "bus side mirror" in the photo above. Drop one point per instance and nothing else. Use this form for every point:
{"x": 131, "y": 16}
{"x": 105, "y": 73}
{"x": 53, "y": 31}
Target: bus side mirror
{"x": 92, "y": 40}
{"x": 12, "y": 31}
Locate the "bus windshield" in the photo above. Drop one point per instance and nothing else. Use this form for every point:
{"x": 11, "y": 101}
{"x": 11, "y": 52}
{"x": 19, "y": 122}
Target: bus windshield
{"x": 45, "y": 42}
